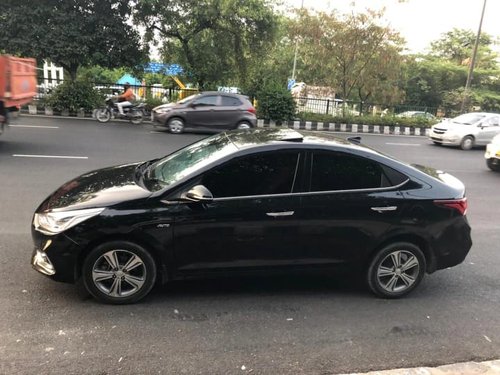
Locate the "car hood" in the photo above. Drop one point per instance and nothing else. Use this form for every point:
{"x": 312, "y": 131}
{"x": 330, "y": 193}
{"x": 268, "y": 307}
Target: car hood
{"x": 101, "y": 188}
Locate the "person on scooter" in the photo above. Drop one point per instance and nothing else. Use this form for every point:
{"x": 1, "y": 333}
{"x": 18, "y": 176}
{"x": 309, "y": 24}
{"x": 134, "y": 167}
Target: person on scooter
{"x": 125, "y": 99}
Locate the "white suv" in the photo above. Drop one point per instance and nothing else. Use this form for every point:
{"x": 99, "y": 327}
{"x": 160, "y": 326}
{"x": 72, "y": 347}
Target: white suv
{"x": 492, "y": 154}
{"x": 467, "y": 130}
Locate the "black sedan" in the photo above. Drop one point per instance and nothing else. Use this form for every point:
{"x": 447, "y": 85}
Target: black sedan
{"x": 252, "y": 200}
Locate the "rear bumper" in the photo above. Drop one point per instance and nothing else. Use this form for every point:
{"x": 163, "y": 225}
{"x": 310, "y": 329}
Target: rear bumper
{"x": 453, "y": 245}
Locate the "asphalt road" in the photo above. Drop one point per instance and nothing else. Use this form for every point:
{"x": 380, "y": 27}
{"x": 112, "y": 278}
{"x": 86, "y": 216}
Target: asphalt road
{"x": 279, "y": 325}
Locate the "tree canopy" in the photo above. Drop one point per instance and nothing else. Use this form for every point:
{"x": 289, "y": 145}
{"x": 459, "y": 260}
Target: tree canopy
{"x": 216, "y": 40}
{"x": 71, "y": 33}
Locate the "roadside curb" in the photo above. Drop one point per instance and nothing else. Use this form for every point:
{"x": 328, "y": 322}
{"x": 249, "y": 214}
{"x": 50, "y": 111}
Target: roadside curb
{"x": 464, "y": 368}
{"x": 347, "y": 128}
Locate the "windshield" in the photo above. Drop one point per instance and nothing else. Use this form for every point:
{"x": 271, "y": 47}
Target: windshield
{"x": 188, "y": 99}
{"x": 468, "y": 118}
{"x": 175, "y": 167}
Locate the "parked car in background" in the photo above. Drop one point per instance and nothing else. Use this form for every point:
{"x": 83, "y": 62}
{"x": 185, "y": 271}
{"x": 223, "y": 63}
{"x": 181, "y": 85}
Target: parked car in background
{"x": 467, "y": 130}
{"x": 256, "y": 201}
{"x": 416, "y": 114}
{"x": 211, "y": 110}
{"x": 492, "y": 154}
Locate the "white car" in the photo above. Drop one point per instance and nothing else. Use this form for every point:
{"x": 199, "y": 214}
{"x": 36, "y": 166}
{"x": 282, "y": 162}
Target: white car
{"x": 492, "y": 154}
{"x": 467, "y": 130}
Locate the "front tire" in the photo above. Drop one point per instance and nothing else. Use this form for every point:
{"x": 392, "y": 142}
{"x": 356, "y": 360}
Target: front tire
{"x": 103, "y": 115}
{"x": 119, "y": 272}
{"x": 467, "y": 143}
{"x": 396, "y": 270}
{"x": 491, "y": 165}
{"x": 176, "y": 125}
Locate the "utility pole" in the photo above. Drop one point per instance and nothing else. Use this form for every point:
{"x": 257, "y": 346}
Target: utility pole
{"x": 296, "y": 48}
{"x": 472, "y": 63}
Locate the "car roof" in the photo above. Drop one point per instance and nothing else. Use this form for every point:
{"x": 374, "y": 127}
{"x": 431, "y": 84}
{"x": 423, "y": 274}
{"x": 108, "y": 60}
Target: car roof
{"x": 260, "y": 137}
{"x": 223, "y": 93}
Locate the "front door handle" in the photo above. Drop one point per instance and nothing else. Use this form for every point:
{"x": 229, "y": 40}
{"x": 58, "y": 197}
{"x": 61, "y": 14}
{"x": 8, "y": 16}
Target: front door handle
{"x": 278, "y": 214}
{"x": 384, "y": 209}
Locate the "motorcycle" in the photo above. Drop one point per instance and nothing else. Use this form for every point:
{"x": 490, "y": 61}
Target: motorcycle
{"x": 134, "y": 113}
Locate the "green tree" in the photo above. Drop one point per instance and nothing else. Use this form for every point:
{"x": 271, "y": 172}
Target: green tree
{"x": 71, "y": 33}
{"x": 456, "y": 46}
{"x": 351, "y": 53}
{"x": 215, "y": 40}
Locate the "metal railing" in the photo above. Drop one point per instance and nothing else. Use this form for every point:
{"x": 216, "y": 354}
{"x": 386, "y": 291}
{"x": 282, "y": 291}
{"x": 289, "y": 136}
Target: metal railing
{"x": 337, "y": 107}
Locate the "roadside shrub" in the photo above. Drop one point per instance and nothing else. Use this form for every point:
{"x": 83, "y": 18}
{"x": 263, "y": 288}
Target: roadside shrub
{"x": 368, "y": 120}
{"x": 275, "y": 102}
{"x": 153, "y": 102}
{"x": 74, "y": 96}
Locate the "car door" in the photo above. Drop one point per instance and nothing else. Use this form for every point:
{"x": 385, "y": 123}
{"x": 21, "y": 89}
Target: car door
{"x": 251, "y": 221}
{"x": 488, "y": 129}
{"x": 202, "y": 111}
{"x": 349, "y": 206}
{"x": 228, "y": 112}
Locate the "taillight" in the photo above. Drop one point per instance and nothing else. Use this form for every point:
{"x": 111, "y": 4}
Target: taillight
{"x": 251, "y": 110}
{"x": 456, "y": 204}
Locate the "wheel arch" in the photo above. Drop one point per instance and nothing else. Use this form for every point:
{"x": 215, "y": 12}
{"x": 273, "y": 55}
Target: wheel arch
{"x": 142, "y": 241}
{"x": 413, "y": 239}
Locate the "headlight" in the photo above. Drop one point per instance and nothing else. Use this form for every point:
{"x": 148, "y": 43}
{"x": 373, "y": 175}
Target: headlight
{"x": 51, "y": 223}
{"x": 163, "y": 110}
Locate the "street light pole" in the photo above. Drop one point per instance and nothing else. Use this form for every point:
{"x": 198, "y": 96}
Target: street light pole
{"x": 473, "y": 61}
{"x": 296, "y": 49}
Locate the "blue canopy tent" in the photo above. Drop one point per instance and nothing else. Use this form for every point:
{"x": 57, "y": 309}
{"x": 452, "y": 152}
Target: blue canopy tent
{"x": 127, "y": 78}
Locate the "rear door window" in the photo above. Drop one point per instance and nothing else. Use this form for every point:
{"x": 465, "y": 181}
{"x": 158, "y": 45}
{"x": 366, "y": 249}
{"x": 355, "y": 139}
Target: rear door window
{"x": 332, "y": 171}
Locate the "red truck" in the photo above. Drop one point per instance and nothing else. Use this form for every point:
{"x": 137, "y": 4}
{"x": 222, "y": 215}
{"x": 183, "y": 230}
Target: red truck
{"x": 17, "y": 84}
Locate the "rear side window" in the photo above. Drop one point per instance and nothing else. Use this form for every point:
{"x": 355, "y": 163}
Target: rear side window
{"x": 230, "y": 101}
{"x": 339, "y": 171}
{"x": 258, "y": 174}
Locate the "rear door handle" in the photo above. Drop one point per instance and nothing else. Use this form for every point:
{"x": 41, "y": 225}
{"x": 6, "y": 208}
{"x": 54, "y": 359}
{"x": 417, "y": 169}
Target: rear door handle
{"x": 384, "y": 209}
{"x": 278, "y": 214}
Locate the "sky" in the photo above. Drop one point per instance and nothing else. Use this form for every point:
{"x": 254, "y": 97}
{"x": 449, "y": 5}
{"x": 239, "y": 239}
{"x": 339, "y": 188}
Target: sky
{"x": 420, "y": 21}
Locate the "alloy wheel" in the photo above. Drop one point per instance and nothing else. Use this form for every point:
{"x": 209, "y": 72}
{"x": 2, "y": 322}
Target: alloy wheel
{"x": 119, "y": 273}
{"x": 176, "y": 126}
{"x": 398, "y": 271}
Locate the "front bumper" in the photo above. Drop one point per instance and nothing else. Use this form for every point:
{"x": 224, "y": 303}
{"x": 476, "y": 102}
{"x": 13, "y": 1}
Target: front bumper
{"x": 492, "y": 151}
{"x": 55, "y": 256}
{"x": 445, "y": 139}
{"x": 158, "y": 117}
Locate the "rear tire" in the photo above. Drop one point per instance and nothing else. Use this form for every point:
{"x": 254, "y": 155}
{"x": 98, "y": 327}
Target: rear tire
{"x": 119, "y": 272}
{"x": 492, "y": 166}
{"x": 103, "y": 115}
{"x": 244, "y": 125}
{"x": 396, "y": 270}
{"x": 467, "y": 143}
{"x": 136, "y": 117}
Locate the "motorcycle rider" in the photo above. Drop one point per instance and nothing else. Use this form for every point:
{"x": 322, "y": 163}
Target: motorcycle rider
{"x": 125, "y": 99}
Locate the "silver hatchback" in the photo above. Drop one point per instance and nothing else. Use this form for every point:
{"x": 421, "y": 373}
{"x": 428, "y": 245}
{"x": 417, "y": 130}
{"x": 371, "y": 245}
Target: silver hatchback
{"x": 211, "y": 110}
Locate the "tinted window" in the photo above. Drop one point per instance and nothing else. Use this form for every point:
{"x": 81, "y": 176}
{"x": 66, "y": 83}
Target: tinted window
{"x": 206, "y": 100}
{"x": 338, "y": 171}
{"x": 260, "y": 174}
{"x": 230, "y": 101}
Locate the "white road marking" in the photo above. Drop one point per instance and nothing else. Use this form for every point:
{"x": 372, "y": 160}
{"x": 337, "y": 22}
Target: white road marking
{"x": 50, "y": 156}
{"x": 34, "y": 126}
{"x": 402, "y": 144}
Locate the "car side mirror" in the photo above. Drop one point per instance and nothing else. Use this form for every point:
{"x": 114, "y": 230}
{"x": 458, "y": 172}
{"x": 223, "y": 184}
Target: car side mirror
{"x": 199, "y": 193}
